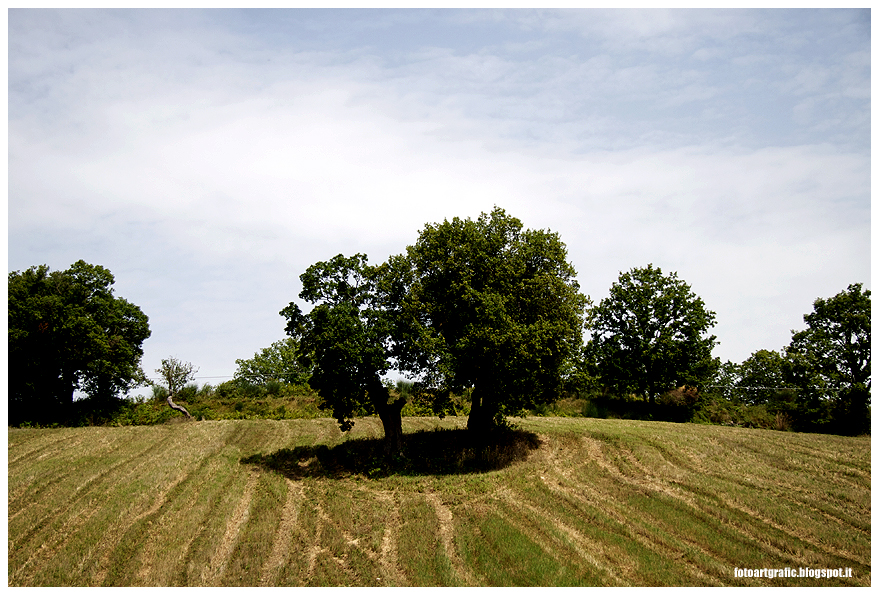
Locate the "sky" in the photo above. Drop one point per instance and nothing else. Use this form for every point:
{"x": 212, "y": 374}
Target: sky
{"x": 208, "y": 157}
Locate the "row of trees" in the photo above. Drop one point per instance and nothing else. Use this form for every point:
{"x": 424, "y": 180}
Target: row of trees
{"x": 488, "y": 306}
{"x": 822, "y": 379}
{"x": 69, "y": 333}
{"x": 485, "y": 307}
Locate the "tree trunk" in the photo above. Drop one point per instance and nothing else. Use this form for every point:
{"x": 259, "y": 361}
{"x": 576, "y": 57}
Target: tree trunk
{"x": 482, "y": 412}
{"x": 176, "y": 407}
{"x": 392, "y": 422}
{"x": 651, "y": 387}
{"x": 67, "y": 399}
{"x": 389, "y": 413}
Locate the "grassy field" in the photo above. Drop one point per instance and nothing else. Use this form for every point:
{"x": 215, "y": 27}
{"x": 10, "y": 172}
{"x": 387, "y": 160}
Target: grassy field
{"x": 582, "y": 502}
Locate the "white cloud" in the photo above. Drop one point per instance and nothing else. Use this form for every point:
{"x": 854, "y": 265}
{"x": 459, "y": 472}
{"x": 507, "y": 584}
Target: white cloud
{"x": 208, "y": 170}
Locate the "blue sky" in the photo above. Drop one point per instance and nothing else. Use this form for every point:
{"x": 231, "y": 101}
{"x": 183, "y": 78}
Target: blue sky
{"x": 207, "y": 158}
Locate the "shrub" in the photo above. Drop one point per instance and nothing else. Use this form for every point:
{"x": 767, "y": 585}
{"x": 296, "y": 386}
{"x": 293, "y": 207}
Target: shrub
{"x": 782, "y": 422}
{"x": 225, "y": 390}
{"x": 188, "y": 393}
{"x": 593, "y": 409}
{"x": 404, "y": 388}
{"x": 678, "y": 404}
{"x": 160, "y": 393}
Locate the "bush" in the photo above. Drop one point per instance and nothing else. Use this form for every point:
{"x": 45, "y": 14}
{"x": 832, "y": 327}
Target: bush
{"x": 593, "y": 409}
{"x": 226, "y": 390}
{"x": 722, "y": 412}
{"x": 188, "y": 394}
{"x": 405, "y": 388}
{"x": 420, "y": 403}
{"x": 160, "y": 393}
{"x": 678, "y": 405}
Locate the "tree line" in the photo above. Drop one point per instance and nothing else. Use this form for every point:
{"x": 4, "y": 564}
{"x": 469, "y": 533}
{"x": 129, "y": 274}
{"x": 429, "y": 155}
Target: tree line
{"x": 484, "y": 307}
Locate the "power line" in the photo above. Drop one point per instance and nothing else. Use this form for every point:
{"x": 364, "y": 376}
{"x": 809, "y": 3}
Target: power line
{"x": 756, "y": 387}
{"x": 214, "y": 377}
{"x": 777, "y": 388}
{"x": 194, "y": 377}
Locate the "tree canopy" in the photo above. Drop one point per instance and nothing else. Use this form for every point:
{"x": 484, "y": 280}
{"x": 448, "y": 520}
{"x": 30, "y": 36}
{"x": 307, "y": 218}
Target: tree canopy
{"x": 830, "y": 359}
{"x": 68, "y": 332}
{"x": 762, "y": 377}
{"x": 486, "y": 305}
{"x": 483, "y": 305}
{"x": 344, "y": 341}
{"x": 650, "y": 335}
{"x": 175, "y": 374}
{"x": 278, "y": 362}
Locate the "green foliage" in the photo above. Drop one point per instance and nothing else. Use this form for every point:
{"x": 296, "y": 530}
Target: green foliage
{"x": 417, "y": 407}
{"x": 159, "y": 392}
{"x": 343, "y": 339}
{"x": 143, "y": 413}
{"x": 579, "y": 374}
{"x": 650, "y": 335}
{"x": 276, "y": 363}
{"x": 404, "y": 388}
{"x": 761, "y": 377}
{"x": 821, "y": 383}
{"x": 68, "y": 332}
{"x": 242, "y": 389}
{"x": 213, "y": 403}
{"x": 175, "y": 374}
{"x": 754, "y": 394}
{"x": 726, "y": 381}
{"x": 830, "y": 362}
{"x": 723, "y": 412}
{"x": 489, "y": 305}
{"x": 189, "y": 393}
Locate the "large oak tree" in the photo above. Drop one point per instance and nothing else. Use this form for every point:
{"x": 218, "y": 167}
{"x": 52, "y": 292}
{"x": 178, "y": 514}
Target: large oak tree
{"x": 344, "y": 340}
{"x": 483, "y": 305}
{"x": 68, "y": 332}
{"x": 830, "y": 359}
{"x": 488, "y": 305}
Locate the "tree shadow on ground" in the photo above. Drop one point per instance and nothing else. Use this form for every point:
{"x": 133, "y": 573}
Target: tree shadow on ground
{"x": 426, "y": 452}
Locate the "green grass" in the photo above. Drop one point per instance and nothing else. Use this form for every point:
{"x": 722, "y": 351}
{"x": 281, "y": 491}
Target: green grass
{"x": 563, "y": 502}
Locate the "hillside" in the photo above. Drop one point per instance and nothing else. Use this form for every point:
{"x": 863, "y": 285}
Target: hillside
{"x": 590, "y": 502}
